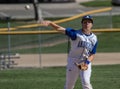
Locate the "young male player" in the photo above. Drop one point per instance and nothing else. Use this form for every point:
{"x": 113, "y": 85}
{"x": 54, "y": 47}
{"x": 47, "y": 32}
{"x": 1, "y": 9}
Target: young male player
{"x": 83, "y": 49}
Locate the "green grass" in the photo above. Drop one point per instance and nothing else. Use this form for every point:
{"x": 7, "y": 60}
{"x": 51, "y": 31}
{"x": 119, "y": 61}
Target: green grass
{"x": 103, "y": 77}
{"x": 22, "y": 41}
{"x": 59, "y": 48}
{"x": 106, "y": 77}
{"x": 116, "y": 21}
{"x": 107, "y": 42}
{"x": 97, "y": 3}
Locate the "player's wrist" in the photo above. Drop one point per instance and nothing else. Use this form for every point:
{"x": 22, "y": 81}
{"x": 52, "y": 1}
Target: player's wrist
{"x": 87, "y": 61}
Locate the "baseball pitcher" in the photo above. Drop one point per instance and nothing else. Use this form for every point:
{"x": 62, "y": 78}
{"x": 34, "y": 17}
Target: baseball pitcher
{"x": 83, "y": 49}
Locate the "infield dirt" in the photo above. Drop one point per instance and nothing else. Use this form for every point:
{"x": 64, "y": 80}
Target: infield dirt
{"x": 48, "y": 60}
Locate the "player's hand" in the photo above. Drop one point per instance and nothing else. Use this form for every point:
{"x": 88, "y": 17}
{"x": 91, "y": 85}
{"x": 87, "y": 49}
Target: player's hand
{"x": 46, "y": 23}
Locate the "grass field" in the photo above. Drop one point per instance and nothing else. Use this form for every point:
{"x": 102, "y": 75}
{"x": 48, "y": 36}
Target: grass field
{"x": 108, "y": 42}
{"x": 23, "y": 41}
{"x": 97, "y": 3}
{"x": 103, "y": 77}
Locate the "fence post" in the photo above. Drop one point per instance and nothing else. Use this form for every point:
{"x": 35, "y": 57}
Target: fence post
{"x": 9, "y": 42}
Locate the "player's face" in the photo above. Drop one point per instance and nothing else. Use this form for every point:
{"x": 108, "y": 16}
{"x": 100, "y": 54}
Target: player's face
{"x": 87, "y": 24}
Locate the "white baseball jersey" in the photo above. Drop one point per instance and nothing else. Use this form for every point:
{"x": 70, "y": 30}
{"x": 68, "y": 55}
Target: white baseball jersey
{"x": 81, "y": 43}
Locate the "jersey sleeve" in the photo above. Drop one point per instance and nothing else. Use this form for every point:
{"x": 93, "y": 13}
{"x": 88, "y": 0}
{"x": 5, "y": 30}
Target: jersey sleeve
{"x": 71, "y": 33}
{"x": 94, "y": 48}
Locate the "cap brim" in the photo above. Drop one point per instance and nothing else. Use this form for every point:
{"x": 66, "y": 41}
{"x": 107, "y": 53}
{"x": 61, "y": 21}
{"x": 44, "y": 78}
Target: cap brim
{"x": 87, "y": 19}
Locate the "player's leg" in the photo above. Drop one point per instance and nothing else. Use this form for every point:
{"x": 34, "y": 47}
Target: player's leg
{"x": 72, "y": 74}
{"x": 85, "y": 78}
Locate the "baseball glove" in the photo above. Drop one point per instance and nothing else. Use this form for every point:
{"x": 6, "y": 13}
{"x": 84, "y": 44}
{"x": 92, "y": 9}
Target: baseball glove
{"x": 82, "y": 66}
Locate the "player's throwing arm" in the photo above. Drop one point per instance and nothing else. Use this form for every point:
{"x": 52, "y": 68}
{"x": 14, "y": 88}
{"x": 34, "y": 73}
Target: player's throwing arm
{"x": 55, "y": 26}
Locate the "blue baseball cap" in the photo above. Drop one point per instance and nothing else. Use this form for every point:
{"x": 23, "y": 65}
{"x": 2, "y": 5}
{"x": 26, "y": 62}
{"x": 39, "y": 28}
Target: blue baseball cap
{"x": 87, "y": 17}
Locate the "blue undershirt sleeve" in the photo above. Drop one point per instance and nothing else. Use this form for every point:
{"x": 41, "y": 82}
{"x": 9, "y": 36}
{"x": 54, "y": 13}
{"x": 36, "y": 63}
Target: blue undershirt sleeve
{"x": 71, "y": 33}
{"x": 94, "y": 48}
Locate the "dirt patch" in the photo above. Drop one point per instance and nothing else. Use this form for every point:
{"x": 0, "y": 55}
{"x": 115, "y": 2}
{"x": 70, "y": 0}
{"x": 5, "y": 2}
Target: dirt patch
{"x": 45, "y": 60}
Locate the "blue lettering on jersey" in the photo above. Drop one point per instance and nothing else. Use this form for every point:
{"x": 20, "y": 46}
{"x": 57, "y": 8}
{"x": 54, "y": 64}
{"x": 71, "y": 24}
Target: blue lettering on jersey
{"x": 85, "y": 44}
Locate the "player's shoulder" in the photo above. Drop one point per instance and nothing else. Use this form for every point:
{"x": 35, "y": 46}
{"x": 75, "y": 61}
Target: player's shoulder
{"x": 93, "y": 36}
{"x": 79, "y": 31}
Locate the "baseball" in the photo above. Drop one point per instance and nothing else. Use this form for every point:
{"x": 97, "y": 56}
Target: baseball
{"x": 27, "y": 7}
